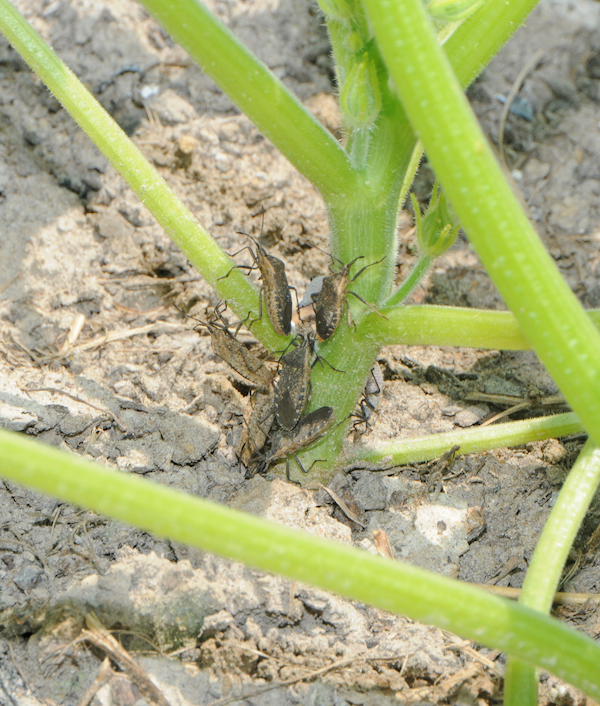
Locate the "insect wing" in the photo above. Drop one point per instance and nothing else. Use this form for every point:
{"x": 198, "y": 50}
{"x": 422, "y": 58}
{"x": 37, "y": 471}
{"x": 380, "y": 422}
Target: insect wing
{"x": 240, "y": 358}
{"x": 308, "y": 430}
{"x": 292, "y": 391}
{"x": 286, "y": 411}
{"x": 330, "y": 303}
{"x": 276, "y": 291}
{"x": 314, "y": 425}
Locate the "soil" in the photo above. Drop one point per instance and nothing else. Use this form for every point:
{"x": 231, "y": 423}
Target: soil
{"x": 95, "y": 359}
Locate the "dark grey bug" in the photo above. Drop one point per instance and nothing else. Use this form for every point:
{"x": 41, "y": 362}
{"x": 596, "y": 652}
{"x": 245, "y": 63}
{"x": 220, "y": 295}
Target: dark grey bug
{"x": 258, "y": 420}
{"x": 370, "y": 398}
{"x": 285, "y": 444}
{"x": 292, "y": 387}
{"x": 330, "y": 301}
{"x": 275, "y": 290}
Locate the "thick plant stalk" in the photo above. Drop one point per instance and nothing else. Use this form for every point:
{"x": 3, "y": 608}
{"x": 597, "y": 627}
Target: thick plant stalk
{"x": 545, "y": 308}
{"x": 548, "y": 560}
{"x": 390, "y": 585}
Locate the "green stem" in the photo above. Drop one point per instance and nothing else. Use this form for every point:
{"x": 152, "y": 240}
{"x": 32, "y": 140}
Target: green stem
{"x": 494, "y": 436}
{"x": 448, "y": 326}
{"x": 277, "y": 113}
{"x": 548, "y": 560}
{"x": 339, "y": 390}
{"x": 350, "y": 572}
{"x": 197, "y": 244}
{"x": 411, "y": 172}
{"x": 413, "y": 279}
{"x": 480, "y": 37}
{"x": 528, "y": 279}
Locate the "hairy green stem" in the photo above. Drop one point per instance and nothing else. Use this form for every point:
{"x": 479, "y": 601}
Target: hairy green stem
{"x": 548, "y": 560}
{"x": 368, "y": 229}
{"x": 197, "y": 244}
{"x": 475, "y": 440}
{"x": 547, "y": 311}
{"x": 416, "y": 275}
{"x": 350, "y": 572}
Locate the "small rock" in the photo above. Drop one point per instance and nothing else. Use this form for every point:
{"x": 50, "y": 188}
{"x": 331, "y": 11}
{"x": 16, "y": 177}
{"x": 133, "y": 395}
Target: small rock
{"x": 173, "y": 109}
{"x": 15, "y": 419}
{"x": 469, "y": 416}
{"x": 28, "y": 576}
{"x": 122, "y": 692}
{"x": 370, "y": 492}
{"x": 218, "y": 622}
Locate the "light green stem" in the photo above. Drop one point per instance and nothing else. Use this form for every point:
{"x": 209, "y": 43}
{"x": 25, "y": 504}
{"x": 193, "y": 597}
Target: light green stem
{"x": 413, "y": 279}
{"x": 494, "y": 436}
{"x": 547, "y": 311}
{"x": 548, "y": 560}
{"x": 448, "y": 326}
{"x": 480, "y": 37}
{"x": 197, "y": 244}
{"x": 350, "y": 572}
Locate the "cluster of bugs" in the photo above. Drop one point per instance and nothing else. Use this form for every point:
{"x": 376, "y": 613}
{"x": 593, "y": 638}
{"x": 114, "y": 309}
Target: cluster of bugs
{"x": 276, "y": 425}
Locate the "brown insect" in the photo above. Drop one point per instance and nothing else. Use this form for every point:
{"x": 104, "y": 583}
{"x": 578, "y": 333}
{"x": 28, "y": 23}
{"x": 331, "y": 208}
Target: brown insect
{"x": 309, "y": 429}
{"x": 275, "y": 288}
{"x": 292, "y": 388}
{"x": 226, "y": 346}
{"x": 259, "y": 418}
{"x": 329, "y": 303}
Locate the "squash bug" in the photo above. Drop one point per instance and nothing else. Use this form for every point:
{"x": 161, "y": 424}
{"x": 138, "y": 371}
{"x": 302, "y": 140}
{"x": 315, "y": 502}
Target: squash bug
{"x": 329, "y": 303}
{"x": 292, "y": 389}
{"x": 226, "y": 346}
{"x": 275, "y": 288}
{"x": 309, "y": 429}
{"x": 258, "y": 419}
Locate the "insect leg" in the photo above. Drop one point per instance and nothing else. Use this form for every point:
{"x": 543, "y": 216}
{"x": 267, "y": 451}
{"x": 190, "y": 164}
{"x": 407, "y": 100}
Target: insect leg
{"x": 287, "y": 471}
{"x": 301, "y": 467}
{"x": 297, "y": 302}
{"x": 370, "y": 306}
{"x": 359, "y": 273}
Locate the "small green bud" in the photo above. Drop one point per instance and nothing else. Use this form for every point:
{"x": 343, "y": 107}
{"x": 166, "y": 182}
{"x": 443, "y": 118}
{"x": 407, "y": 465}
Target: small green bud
{"x": 453, "y": 10}
{"x": 437, "y": 227}
{"x": 360, "y": 99}
{"x": 353, "y": 42}
{"x": 336, "y": 9}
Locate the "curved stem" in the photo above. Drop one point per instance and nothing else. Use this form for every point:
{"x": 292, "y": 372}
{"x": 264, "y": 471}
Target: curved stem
{"x": 416, "y": 275}
{"x": 495, "y": 436}
{"x": 548, "y": 560}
